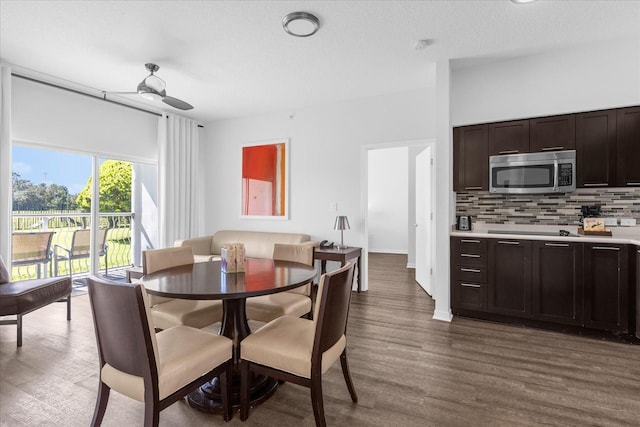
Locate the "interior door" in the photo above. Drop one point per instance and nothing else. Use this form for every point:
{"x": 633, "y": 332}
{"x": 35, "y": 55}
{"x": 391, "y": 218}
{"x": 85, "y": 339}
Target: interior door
{"x": 423, "y": 219}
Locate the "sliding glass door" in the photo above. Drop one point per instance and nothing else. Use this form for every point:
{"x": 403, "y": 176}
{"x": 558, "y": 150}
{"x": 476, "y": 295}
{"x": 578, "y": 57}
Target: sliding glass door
{"x": 59, "y": 229}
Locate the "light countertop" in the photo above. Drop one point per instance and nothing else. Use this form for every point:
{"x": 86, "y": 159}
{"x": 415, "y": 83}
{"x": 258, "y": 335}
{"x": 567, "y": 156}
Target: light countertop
{"x": 620, "y": 235}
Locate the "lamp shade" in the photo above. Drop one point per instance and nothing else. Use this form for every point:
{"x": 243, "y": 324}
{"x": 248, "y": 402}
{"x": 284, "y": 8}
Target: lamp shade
{"x": 342, "y": 223}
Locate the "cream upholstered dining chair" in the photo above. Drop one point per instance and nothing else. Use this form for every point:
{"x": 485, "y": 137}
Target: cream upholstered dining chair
{"x": 167, "y": 312}
{"x": 157, "y": 369}
{"x": 299, "y": 350}
{"x": 296, "y": 302}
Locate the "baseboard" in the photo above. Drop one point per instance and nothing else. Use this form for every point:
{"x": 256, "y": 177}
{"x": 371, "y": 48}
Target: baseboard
{"x": 444, "y": 315}
{"x": 387, "y": 251}
{"x": 411, "y": 265}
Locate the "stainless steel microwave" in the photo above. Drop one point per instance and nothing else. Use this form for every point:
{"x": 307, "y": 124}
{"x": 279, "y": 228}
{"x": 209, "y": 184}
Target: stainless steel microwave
{"x": 550, "y": 172}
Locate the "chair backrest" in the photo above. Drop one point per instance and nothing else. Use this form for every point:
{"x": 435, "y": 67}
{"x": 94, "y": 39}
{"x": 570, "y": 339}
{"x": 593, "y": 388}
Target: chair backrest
{"x": 124, "y": 330}
{"x": 160, "y": 259}
{"x": 81, "y": 242}
{"x": 295, "y": 253}
{"x": 332, "y": 308}
{"x": 31, "y": 247}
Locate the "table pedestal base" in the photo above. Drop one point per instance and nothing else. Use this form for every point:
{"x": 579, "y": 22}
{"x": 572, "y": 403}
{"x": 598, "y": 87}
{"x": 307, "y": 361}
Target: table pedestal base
{"x": 208, "y": 399}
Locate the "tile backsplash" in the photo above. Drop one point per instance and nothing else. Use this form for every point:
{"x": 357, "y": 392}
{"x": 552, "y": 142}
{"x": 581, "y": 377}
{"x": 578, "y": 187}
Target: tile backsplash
{"x": 551, "y": 209}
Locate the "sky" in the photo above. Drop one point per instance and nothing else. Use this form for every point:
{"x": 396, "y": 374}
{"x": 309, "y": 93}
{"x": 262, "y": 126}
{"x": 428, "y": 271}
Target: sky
{"x": 52, "y": 167}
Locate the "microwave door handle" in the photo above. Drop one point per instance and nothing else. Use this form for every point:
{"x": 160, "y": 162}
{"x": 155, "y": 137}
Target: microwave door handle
{"x": 555, "y": 176}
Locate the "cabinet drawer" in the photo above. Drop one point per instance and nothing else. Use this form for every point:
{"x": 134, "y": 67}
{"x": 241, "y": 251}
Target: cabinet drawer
{"x": 469, "y": 295}
{"x": 469, "y": 273}
{"x": 470, "y": 258}
{"x": 469, "y": 245}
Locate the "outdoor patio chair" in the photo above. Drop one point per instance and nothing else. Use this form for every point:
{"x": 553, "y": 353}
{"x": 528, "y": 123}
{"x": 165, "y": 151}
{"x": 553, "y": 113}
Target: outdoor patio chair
{"x": 32, "y": 248}
{"x": 80, "y": 248}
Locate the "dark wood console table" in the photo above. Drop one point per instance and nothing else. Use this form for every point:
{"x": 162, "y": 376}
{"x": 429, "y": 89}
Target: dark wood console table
{"x": 341, "y": 256}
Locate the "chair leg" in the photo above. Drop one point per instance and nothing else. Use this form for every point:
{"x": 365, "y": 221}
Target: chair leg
{"x": 19, "y": 323}
{"x": 151, "y": 414}
{"x": 347, "y": 376}
{"x": 245, "y": 372}
{"x": 101, "y": 404}
{"x": 316, "y": 401}
{"x": 225, "y": 384}
{"x": 69, "y": 307}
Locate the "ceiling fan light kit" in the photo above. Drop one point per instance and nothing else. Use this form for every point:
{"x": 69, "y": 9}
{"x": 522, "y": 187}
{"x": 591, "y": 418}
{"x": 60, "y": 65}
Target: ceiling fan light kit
{"x": 300, "y": 24}
{"x": 153, "y": 88}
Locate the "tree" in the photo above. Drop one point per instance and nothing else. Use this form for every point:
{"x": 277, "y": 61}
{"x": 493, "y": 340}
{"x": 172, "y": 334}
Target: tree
{"x": 115, "y": 188}
{"x": 40, "y": 197}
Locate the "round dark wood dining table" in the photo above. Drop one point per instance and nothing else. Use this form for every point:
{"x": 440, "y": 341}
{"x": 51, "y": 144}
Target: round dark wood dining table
{"x": 207, "y": 281}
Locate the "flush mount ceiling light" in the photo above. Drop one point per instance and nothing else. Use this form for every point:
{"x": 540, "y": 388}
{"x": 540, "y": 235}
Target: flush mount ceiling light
{"x": 522, "y": 1}
{"x": 300, "y": 24}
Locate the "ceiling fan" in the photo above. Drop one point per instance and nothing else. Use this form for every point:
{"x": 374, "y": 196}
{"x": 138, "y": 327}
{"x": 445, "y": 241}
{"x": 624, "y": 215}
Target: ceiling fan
{"x": 153, "y": 87}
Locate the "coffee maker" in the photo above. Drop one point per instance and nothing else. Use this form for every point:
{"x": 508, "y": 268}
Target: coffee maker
{"x": 589, "y": 211}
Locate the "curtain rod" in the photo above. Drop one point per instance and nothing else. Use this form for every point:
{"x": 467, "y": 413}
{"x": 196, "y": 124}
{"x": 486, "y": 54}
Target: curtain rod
{"x": 79, "y": 92}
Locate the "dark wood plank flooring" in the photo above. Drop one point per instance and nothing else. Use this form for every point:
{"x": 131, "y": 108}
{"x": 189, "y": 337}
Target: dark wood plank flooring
{"x": 408, "y": 369}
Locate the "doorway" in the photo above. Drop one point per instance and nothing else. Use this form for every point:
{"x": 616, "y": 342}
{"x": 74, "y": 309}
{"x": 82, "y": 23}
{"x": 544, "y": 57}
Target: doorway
{"x": 385, "y": 231}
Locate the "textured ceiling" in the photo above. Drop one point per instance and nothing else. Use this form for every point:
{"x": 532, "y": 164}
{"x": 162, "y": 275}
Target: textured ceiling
{"x": 232, "y": 58}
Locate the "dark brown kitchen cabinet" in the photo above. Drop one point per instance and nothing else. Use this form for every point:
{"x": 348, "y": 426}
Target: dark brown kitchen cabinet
{"x": 637, "y": 253}
{"x": 509, "y": 137}
{"x": 628, "y": 125}
{"x": 606, "y": 284}
{"x": 469, "y": 274}
{"x": 596, "y": 134}
{"x": 557, "y": 285}
{"x": 509, "y": 282}
{"x": 552, "y": 133}
{"x": 470, "y": 158}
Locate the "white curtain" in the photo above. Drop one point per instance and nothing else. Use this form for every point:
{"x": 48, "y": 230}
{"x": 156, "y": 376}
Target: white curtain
{"x": 5, "y": 163}
{"x": 178, "y": 201}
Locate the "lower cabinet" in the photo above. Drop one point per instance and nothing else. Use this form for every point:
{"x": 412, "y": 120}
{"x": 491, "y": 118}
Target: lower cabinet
{"x": 564, "y": 283}
{"x": 606, "y": 284}
{"x": 509, "y": 283}
{"x": 637, "y": 249}
{"x": 557, "y": 285}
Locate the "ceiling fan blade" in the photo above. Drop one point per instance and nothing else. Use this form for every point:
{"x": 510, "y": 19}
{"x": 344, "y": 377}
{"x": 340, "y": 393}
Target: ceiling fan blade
{"x": 177, "y": 103}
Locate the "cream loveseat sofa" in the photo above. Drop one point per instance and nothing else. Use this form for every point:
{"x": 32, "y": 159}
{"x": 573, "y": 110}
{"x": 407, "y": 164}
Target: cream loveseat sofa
{"x": 257, "y": 244}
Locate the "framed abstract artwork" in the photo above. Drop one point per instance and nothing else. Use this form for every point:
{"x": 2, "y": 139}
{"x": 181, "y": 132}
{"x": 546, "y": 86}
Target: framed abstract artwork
{"x": 265, "y": 180}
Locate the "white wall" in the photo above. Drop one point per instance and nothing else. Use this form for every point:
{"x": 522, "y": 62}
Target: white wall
{"x": 388, "y": 201}
{"x": 593, "y": 77}
{"x": 325, "y": 160}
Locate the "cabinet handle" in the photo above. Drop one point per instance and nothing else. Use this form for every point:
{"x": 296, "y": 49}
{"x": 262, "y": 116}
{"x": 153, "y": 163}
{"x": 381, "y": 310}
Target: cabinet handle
{"x": 561, "y": 245}
{"x": 633, "y": 183}
{"x": 508, "y": 152}
{"x": 604, "y": 184}
{"x": 469, "y": 285}
{"x": 469, "y": 241}
{"x": 470, "y": 255}
{"x": 551, "y": 148}
{"x": 473, "y": 188}
{"x": 470, "y": 270}
{"x": 506, "y": 242}
{"x": 606, "y": 248}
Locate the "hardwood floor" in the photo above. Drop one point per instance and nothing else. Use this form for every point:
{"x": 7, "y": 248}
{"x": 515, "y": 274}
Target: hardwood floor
{"x": 408, "y": 370}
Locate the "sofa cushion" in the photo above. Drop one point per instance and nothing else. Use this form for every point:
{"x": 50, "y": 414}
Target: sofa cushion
{"x": 27, "y": 295}
{"x": 4, "y": 273}
{"x": 258, "y": 244}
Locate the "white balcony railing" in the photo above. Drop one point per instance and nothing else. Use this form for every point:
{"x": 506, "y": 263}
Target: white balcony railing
{"x": 53, "y": 259}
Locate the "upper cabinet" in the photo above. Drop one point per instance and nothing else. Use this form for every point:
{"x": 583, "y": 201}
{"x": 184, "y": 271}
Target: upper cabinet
{"x": 628, "y": 146}
{"x": 552, "y": 133}
{"x": 509, "y": 137}
{"x": 607, "y": 145}
{"x": 470, "y": 158}
{"x": 596, "y": 148}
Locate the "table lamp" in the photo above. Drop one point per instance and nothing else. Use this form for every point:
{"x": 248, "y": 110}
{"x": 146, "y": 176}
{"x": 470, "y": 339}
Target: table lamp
{"x": 342, "y": 223}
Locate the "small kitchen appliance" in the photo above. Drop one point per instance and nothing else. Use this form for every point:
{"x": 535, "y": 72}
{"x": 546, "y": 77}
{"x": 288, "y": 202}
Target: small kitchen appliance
{"x": 463, "y": 222}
